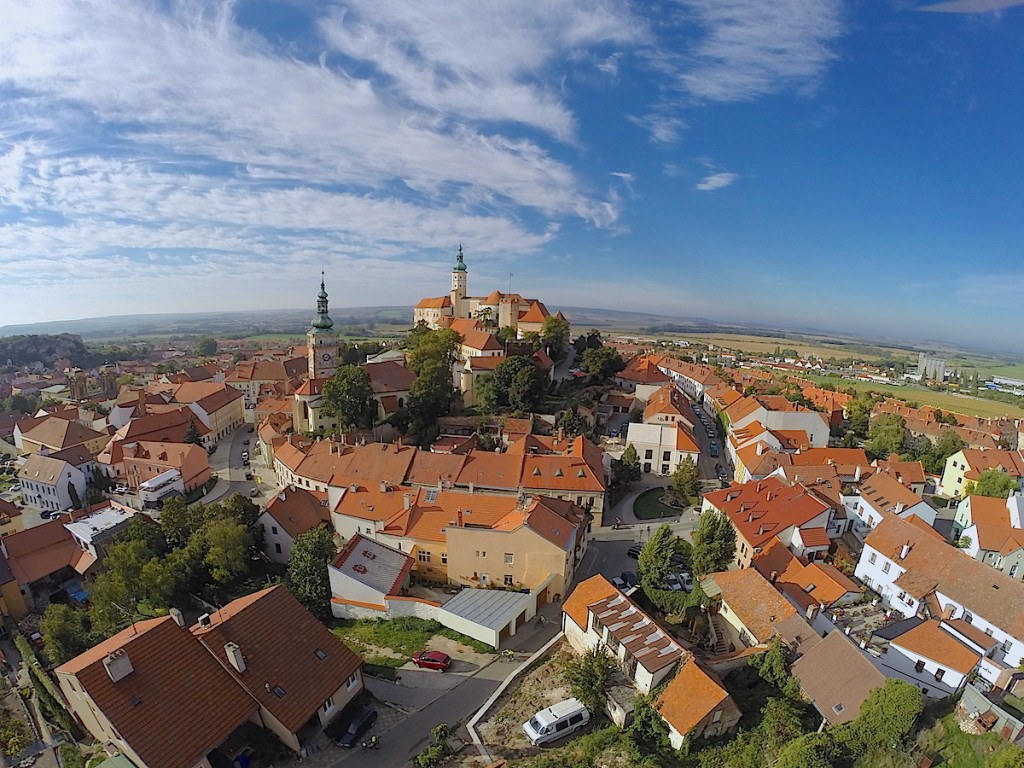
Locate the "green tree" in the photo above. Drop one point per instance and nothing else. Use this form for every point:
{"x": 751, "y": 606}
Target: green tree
{"x": 647, "y": 731}
{"x": 812, "y": 750}
{"x": 307, "y": 570}
{"x": 76, "y": 502}
{"x": 66, "y": 632}
{"x": 526, "y": 390}
{"x": 714, "y": 543}
{"x": 571, "y": 423}
{"x": 506, "y": 334}
{"x": 438, "y": 346}
{"x": 429, "y": 398}
{"x": 206, "y": 346}
{"x": 503, "y": 376}
{"x": 348, "y": 396}
{"x": 887, "y": 717}
{"x": 588, "y": 676}
{"x": 143, "y": 528}
{"x": 655, "y": 560}
{"x": 1008, "y": 757}
{"x": 20, "y": 404}
{"x": 773, "y": 667}
{"x": 630, "y": 464}
{"x": 71, "y": 756}
{"x": 554, "y": 335}
{"x": 850, "y": 440}
{"x": 179, "y": 521}
{"x": 780, "y": 724}
{"x": 887, "y": 435}
{"x": 992, "y": 482}
{"x": 192, "y": 434}
{"x": 948, "y": 443}
{"x": 227, "y": 549}
{"x": 686, "y": 478}
{"x": 602, "y": 362}
{"x": 858, "y": 411}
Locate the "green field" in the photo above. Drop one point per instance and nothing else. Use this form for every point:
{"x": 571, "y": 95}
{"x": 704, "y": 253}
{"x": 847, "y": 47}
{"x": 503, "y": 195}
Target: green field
{"x": 946, "y": 401}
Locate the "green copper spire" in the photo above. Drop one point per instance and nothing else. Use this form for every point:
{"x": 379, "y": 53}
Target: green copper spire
{"x": 322, "y": 323}
{"x": 460, "y": 265}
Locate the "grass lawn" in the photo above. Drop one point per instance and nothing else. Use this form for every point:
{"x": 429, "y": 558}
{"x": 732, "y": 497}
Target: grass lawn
{"x": 958, "y": 749}
{"x": 767, "y": 344}
{"x": 947, "y": 401}
{"x": 648, "y": 507}
{"x": 392, "y": 642}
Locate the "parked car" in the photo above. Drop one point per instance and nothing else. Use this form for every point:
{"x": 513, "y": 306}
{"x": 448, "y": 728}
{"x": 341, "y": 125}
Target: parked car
{"x": 630, "y": 578}
{"x": 120, "y": 489}
{"x": 245, "y": 454}
{"x": 248, "y": 475}
{"x": 556, "y": 721}
{"x": 619, "y": 584}
{"x": 250, "y": 430}
{"x": 359, "y": 724}
{"x": 714, "y": 451}
{"x": 246, "y": 441}
{"x": 672, "y": 583}
{"x": 245, "y": 462}
{"x": 254, "y": 492}
{"x": 634, "y": 552}
{"x": 432, "y": 660}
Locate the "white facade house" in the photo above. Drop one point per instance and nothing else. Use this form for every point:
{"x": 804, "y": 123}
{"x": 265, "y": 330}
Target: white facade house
{"x": 47, "y": 483}
{"x": 882, "y": 495}
{"x": 805, "y": 420}
{"x": 661, "y": 447}
{"x": 917, "y": 573}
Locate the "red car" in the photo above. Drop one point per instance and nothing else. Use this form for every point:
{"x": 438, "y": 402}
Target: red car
{"x": 432, "y": 660}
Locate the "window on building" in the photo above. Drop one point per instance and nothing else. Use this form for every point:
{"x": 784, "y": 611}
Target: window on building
{"x": 989, "y": 631}
{"x": 351, "y": 680}
{"x": 649, "y": 454}
{"x": 509, "y": 558}
{"x": 901, "y": 595}
{"x": 273, "y": 529}
{"x": 508, "y": 579}
{"x": 968, "y": 616}
{"x": 1006, "y": 645}
{"x": 666, "y": 455}
{"x": 885, "y": 568}
{"x": 444, "y": 558}
{"x": 1013, "y": 570}
{"x": 872, "y": 558}
{"x": 328, "y": 705}
{"x": 717, "y": 716}
{"x": 277, "y": 548}
{"x": 919, "y": 667}
{"x": 424, "y": 556}
{"x": 939, "y": 673}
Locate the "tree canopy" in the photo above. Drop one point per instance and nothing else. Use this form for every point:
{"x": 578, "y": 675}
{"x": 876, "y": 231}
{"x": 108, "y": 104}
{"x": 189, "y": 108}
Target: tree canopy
{"x": 602, "y": 362}
{"x": 886, "y": 435}
{"x": 308, "y": 578}
{"x": 714, "y": 543}
{"x": 655, "y": 560}
{"x": 992, "y": 482}
{"x": 686, "y": 478}
{"x": 554, "y": 334}
{"x": 589, "y": 675}
{"x": 206, "y": 346}
{"x": 629, "y": 465}
{"x": 348, "y": 396}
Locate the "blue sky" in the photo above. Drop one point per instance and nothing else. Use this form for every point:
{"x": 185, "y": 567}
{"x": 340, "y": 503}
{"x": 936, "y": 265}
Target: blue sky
{"x": 806, "y": 163}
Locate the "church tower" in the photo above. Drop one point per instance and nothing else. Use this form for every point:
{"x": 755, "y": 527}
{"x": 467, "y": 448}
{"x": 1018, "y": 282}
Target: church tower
{"x": 321, "y": 340}
{"x": 459, "y": 284}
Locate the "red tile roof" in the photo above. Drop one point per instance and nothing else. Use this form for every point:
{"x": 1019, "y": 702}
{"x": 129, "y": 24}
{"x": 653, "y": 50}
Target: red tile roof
{"x": 176, "y": 705}
{"x": 762, "y": 509}
{"x": 691, "y": 695}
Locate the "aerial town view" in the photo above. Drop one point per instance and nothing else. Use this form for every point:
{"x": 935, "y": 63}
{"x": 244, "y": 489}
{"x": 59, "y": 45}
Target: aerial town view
{"x": 495, "y": 384}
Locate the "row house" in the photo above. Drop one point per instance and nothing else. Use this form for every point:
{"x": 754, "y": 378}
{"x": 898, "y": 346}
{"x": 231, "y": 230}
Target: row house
{"x": 475, "y": 539}
{"x": 761, "y": 510}
{"x": 694, "y": 703}
{"x": 918, "y": 574}
{"x": 966, "y": 466}
{"x": 173, "y": 696}
{"x": 169, "y": 426}
{"x": 256, "y": 379}
{"x": 51, "y": 484}
{"x": 219, "y": 406}
{"x": 777, "y": 413}
{"x": 992, "y": 531}
{"x": 882, "y": 495}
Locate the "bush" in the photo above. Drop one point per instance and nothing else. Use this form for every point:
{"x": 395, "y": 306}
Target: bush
{"x": 14, "y": 734}
{"x": 71, "y": 756}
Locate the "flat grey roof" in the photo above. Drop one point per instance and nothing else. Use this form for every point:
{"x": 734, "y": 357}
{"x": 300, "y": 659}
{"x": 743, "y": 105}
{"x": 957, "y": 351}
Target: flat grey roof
{"x": 492, "y": 608}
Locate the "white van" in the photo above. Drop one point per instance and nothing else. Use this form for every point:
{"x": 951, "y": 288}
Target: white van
{"x": 556, "y": 721}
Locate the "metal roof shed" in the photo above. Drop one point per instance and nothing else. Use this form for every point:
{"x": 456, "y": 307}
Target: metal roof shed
{"x": 487, "y": 615}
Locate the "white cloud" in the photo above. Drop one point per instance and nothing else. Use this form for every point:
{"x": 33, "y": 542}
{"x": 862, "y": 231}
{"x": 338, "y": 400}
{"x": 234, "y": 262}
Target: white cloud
{"x": 751, "y": 47}
{"x": 664, "y": 129}
{"x": 715, "y": 181}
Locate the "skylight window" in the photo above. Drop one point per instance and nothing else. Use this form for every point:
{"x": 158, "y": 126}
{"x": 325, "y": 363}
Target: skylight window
{"x": 320, "y": 654}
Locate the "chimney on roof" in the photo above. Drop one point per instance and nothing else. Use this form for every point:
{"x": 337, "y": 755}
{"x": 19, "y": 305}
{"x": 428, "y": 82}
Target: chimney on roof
{"x": 760, "y": 449}
{"x": 281, "y": 496}
{"x": 118, "y": 665}
{"x": 760, "y": 530}
{"x": 904, "y": 551}
{"x": 383, "y": 486}
{"x": 407, "y": 501}
{"x": 458, "y": 518}
{"x": 900, "y": 506}
{"x": 353, "y": 488}
{"x": 856, "y": 474}
{"x": 205, "y": 620}
{"x": 234, "y": 654}
{"x": 472, "y": 486}
{"x": 178, "y": 618}
{"x": 773, "y": 577}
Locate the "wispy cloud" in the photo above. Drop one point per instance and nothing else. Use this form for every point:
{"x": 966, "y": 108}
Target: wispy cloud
{"x": 715, "y": 181}
{"x": 970, "y": 6}
{"x": 751, "y": 48}
{"x": 664, "y": 129}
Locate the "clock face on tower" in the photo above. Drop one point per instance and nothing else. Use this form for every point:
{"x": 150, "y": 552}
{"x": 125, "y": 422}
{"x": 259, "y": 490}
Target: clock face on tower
{"x": 326, "y": 357}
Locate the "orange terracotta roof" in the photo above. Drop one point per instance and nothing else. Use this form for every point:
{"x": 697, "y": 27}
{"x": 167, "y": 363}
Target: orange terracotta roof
{"x": 685, "y": 440}
{"x": 885, "y": 493}
{"x": 586, "y": 593}
{"x": 280, "y": 640}
{"x": 906, "y": 472}
{"x": 754, "y": 601}
{"x": 928, "y": 639}
{"x": 57, "y": 433}
{"x": 41, "y": 550}
{"x": 814, "y": 537}
{"x": 535, "y": 314}
{"x": 762, "y": 509}
{"x": 690, "y": 696}
{"x": 481, "y": 341}
{"x": 441, "y": 302}
{"x": 298, "y": 510}
{"x": 823, "y": 582}
{"x": 176, "y": 705}
{"x": 972, "y": 633}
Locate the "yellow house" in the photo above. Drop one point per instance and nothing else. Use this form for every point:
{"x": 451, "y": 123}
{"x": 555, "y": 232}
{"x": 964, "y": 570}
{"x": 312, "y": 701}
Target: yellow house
{"x": 52, "y": 433}
{"x": 966, "y": 466}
